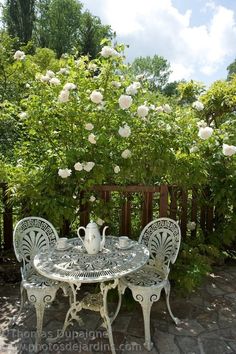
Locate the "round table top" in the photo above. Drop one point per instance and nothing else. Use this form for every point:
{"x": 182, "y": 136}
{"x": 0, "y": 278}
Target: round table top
{"x": 75, "y": 265}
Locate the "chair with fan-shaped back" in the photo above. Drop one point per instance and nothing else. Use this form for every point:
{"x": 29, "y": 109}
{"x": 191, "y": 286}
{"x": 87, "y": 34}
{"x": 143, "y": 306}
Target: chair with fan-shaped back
{"x": 162, "y": 237}
{"x": 32, "y": 235}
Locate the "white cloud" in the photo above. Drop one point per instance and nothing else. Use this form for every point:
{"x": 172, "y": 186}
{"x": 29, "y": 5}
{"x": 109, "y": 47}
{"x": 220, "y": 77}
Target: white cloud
{"x": 157, "y": 27}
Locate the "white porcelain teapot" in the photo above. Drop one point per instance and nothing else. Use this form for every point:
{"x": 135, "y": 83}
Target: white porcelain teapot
{"x": 92, "y": 241}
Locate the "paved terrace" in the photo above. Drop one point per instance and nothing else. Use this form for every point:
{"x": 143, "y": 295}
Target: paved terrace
{"x": 208, "y": 323}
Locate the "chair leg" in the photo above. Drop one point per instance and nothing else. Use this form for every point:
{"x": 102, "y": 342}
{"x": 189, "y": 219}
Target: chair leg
{"x": 39, "y": 308}
{"x": 146, "y": 308}
{"x": 40, "y": 299}
{"x": 23, "y": 299}
{"x": 167, "y": 291}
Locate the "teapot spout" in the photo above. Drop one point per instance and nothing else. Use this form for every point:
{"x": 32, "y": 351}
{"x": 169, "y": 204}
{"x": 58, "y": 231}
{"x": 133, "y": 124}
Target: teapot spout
{"x": 103, "y": 238}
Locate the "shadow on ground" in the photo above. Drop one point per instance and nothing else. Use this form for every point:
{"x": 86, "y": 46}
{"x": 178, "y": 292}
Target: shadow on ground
{"x": 208, "y": 323}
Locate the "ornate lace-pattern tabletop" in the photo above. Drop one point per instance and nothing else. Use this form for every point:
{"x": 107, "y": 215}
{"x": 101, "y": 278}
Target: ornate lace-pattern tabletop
{"x": 76, "y": 265}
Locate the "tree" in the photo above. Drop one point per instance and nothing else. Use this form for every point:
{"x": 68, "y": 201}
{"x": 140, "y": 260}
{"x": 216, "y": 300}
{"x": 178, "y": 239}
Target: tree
{"x": 19, "y": 16}
{"x": 231, "y": 69}
{"x": 58, "y": 23}
{"x": 91, "y": 33}
{"x": 156, "y": 69}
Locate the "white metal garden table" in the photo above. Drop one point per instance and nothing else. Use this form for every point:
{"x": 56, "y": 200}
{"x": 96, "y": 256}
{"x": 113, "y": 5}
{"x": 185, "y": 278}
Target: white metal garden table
{"x": 75, "y": 266}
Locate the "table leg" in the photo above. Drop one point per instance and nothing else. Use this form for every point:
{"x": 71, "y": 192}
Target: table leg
{"x": 104, "y": 310}
{"x": 71, "y": 315}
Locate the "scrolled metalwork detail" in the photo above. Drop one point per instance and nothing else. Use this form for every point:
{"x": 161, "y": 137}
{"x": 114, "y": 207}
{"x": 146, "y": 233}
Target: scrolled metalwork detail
{"x": 48, "y": 298}
{"x": 139, "y": 297}
{"x": 154, "y": 297}
{"x": 32, "y": 298}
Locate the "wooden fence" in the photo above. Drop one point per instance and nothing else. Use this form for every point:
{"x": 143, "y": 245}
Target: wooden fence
{"x": 154, "y": 201}
{"x": 6, "y": 218}
{"x": 177, "y": 203}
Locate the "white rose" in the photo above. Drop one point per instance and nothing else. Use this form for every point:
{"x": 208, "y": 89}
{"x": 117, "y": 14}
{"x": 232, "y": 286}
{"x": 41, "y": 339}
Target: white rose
{"x": 126, "y": 154}
{"x": 69, "y": 86}
{"x": 64, "y": 96}
{"x": 89, "y": 126}
{"x": 229, "y": 150}
{"x": 136, "y": 84}
{"x": 140, "y": 77}
{"x": 64, "y": 71}
{"x": 125, "y": 101}
{"x": 78, "y": 166}
{"x": 54, "y": 81}
{"x": 117, "y": 169}
{"x": 96, "y": 97}
{"x": 92, "y": 66}
{"x": 193, "y": 149}
{"x": 100, "y": 222}
{"x": 50, "y": 73}
{"x": 201, "y": 124}
{"x": 191, "y": 225}
{"x": 205, "y": 133}
{"x": 159, "y": 109}
{"x": 131, "y": 90}
{"x": 167, "y": 108}
{"x": 88, "y": 166}
{"x": 124, "y": 131}
{"x": 142, "y": 111}
{"x": 116, "y": 84}
{"x": 44, "y": 78}
{"x": 64, "y": 173}
{"x": 19, "y": 55}
{"x": 198, "y": 105}
{"x": 92, "y": 138}
{"x": 107, "y": 52}
{"x": 92, "y": 198}
{"x": 23, "y": 115}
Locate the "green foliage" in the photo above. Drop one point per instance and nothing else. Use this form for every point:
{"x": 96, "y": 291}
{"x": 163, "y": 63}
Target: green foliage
{"x": 155, "y": 69}
{"x": 231, "y": 70}
{"x": 91, "y": 33}
{"x": 18, "y": 16}
{"x": 52, "y": 123}
{"x": 189, "y": 91}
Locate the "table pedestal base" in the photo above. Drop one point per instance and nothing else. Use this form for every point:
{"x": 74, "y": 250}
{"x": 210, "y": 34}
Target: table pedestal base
{"x": 93, "y": 302}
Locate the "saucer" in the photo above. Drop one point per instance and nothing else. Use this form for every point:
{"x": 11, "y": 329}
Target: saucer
{"x": 63, "y": 248}
{"x": 124, "y": 248}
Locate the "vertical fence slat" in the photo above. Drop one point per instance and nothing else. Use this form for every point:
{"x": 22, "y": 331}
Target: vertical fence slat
{"x": 7, "y": 220}
{"x": 209, "y": 212}
{"x": 84, "y": 211}
{"x": 106, "y": 197}
{"x": 125, "y": 225}
{"x": 209, "y": 218}
{"x": 184, "y": 211}
{"x": 163, "y": 200}
{"x": 147, "y": 208}
{"x": 194, "y": 209}
{"x": 173, "y": 202}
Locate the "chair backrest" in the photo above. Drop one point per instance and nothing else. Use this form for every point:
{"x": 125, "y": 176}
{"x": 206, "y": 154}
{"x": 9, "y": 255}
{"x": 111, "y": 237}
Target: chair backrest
{"x": 31, "y": 235}
{"x": 162, "y": 237}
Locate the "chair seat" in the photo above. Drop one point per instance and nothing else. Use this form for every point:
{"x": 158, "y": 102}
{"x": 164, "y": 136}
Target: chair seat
{"x": 145, "y": 277}
{"x": 39, "y": 281}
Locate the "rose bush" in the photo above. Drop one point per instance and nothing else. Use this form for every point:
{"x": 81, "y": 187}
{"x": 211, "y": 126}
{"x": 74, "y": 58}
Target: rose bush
{"x": 80, "y": 123}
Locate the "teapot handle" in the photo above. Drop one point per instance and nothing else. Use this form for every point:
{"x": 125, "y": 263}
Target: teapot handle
{"x": 78, "y": 232}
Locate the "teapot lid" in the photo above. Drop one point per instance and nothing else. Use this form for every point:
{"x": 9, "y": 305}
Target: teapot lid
{"x": 91, "y": 225}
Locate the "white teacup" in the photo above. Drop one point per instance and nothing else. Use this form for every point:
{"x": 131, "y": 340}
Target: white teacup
{"x": 123, "y": 241}
{"x": 62, "y": 242}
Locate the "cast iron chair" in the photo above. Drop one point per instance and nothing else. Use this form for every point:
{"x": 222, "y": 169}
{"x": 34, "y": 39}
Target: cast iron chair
{"x": 162, "y": 237}
{"x": 31, "y": 235}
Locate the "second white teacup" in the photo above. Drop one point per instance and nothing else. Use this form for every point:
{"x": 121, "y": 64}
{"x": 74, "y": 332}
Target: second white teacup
{"x": 123, "y": 241}
{"x": 62, "y": 242}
